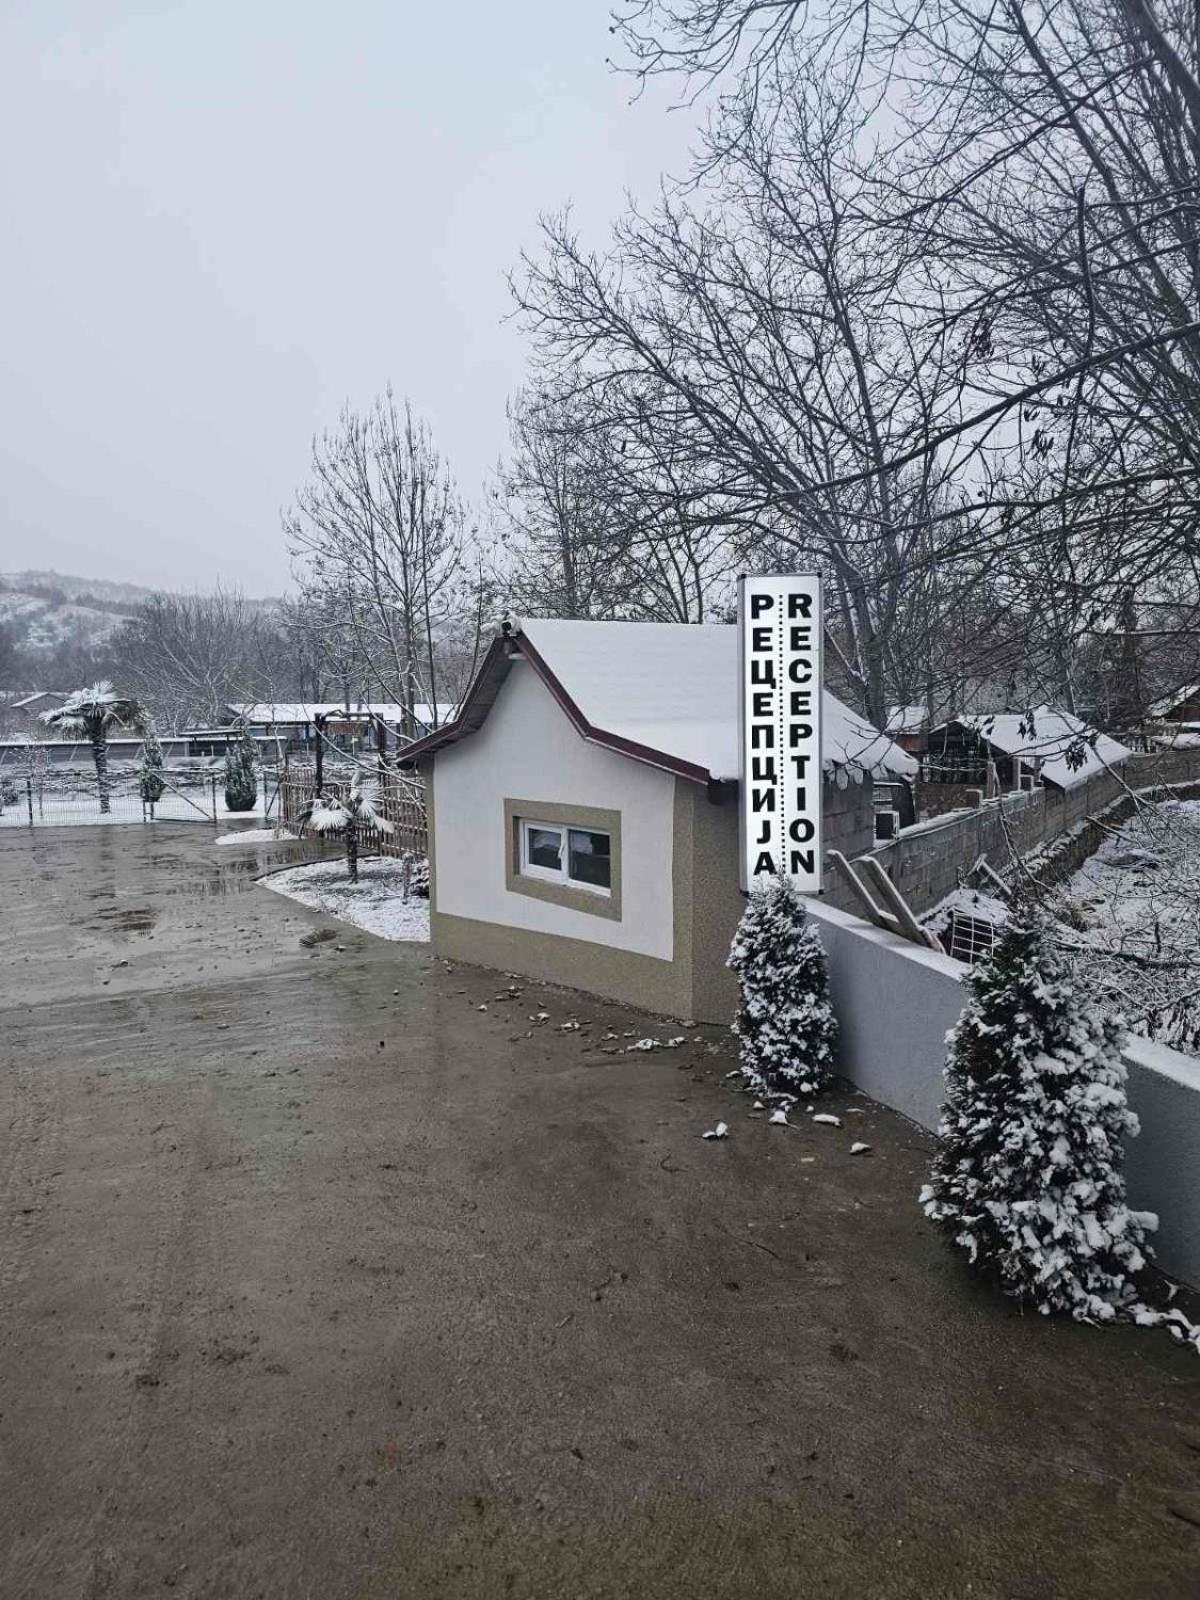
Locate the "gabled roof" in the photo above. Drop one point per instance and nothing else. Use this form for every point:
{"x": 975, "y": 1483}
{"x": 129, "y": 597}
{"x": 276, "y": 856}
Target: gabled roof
{"x": 907, "y": 719}
{"x": 660, "y": 692}
{"x": 1165, "y": 706}
{"x": 1047, "y": 736}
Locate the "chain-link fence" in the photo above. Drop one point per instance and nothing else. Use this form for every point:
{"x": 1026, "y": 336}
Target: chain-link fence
{"x": 36, "y": 792}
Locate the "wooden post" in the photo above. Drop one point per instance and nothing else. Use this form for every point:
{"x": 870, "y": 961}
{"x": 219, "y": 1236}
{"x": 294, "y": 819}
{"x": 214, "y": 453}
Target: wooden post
{"x": 29, "y": 798}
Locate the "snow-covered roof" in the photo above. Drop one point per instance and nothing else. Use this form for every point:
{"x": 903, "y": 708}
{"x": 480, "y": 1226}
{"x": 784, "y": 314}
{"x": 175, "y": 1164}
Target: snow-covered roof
{"x": 301, "y": 711}
{"x": 1047, "y": 736}
{"x": 906, "y": 719}
{"x": 38, "y": 694}
{"x": 667, "y": 690}
{"x": 1165, "y": 706}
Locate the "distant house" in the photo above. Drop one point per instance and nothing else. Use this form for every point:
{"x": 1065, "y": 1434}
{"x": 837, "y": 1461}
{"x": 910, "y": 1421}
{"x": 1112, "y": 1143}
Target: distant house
{"x": 583, "y": 815}
{"x": 21, "y": 712}
{"x": 1174, "y": 721}
{"x": 348, "y": 728}
{"x": 1025, "y": 748}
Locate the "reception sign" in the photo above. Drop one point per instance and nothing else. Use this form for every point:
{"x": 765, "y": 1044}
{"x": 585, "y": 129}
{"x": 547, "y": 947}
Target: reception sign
{"x": 780, "y": 796}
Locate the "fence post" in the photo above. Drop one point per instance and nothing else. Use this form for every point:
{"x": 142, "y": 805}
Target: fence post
{"x": 213, "y": 781}
{"x": 29, "y": 799}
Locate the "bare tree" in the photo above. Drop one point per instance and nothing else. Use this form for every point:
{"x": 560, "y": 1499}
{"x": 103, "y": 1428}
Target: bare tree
{"x": 383, "y": 534}
{"x": 188, "y": 656}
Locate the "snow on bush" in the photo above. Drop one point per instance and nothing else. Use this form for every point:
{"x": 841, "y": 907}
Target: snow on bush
{"x": 418, "y": 883}
{"x": 785, "y": 1023}
{"x": 241, "y": 777}
{"x": 151, "y": 782}
{"x": 1028, "y": 1179}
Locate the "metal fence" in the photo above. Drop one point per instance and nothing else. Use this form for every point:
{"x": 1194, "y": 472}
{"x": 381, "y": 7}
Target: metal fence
{"x": 37, "y": 794}
{"x": 401, "y": 801}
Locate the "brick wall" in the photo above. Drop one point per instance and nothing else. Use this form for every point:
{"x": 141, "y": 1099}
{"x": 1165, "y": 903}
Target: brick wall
{"x": 924, "y": 862}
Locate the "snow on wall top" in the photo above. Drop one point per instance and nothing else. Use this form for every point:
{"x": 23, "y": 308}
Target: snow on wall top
{"x": 674, "y": 688}
{"x": 1047, "y": 736}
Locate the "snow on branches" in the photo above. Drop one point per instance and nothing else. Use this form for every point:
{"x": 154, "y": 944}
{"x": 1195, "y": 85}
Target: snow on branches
{"x": 1028, "y": 1179}
{"x": 785, "y": 1023}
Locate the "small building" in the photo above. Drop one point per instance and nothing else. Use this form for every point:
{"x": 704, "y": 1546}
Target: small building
{"x": 21, "y": 712}
{"x": 1173, "y": 723}
{"x": 582, "y": 809}
{"x": 1020, "y": 748}
{"x": 349, "y": 728}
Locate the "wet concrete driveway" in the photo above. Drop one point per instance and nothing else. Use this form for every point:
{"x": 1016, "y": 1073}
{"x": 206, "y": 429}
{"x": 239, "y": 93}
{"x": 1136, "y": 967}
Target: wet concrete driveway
{"x": 316, "y": 1280}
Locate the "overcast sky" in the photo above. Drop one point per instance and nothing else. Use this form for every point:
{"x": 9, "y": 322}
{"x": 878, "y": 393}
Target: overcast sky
{"x": 221, "y": 218}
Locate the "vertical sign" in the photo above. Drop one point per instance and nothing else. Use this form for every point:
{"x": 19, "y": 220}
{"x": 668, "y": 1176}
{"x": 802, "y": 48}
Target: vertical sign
{"x": 779, "y": 619}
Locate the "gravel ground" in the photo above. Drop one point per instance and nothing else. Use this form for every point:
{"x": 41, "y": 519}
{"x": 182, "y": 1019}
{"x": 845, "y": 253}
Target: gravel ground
{"x": 319, "y": 1281}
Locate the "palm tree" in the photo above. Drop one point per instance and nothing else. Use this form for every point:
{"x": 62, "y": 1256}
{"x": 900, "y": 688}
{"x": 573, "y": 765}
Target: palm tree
{"x": 93, "y": 712}
{"x": 350, "y": 817}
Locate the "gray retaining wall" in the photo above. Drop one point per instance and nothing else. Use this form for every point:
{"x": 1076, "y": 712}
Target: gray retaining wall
{"x": 895, "y": 1003}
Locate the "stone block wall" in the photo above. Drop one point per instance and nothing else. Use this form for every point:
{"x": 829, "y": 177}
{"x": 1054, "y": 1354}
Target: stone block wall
{"x": 925, "y": 861}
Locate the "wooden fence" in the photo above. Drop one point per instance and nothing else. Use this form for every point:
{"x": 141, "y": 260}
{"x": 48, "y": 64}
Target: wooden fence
{"x": 401, "y": 801}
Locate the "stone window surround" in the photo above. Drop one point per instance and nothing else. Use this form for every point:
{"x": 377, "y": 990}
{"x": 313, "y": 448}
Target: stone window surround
{"x": 561, "y": 894}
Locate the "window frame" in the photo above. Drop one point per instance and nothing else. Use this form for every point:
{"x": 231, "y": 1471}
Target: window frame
{"x": 532, "y": 869}
{"x": 545, "y": 883}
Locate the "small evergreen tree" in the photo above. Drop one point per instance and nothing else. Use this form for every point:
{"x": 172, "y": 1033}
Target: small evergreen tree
{"x": 1028, "y": 1179}
{"x": 418, "y": 881}
{"x": 785, "y": 1024}
{"x": 150, "y": 774}
{"x": 351, "y": 817}
{"x": 241, "y": 778}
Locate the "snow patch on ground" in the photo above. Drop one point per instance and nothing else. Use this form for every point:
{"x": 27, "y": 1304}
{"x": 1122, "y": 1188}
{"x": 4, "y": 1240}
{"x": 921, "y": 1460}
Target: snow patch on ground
{"x": 84, "y": 811}
{"x": 256, "y": 836}
{"x": 375, "y": 903}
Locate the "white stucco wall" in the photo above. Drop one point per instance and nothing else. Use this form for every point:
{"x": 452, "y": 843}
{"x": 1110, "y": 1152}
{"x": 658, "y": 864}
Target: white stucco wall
{"x": 527, "y": 750}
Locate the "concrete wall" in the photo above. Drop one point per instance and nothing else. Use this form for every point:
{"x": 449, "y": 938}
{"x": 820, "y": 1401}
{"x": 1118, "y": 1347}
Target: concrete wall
{"x": 924, "y": 861}
{"x": 895, "y": 1003}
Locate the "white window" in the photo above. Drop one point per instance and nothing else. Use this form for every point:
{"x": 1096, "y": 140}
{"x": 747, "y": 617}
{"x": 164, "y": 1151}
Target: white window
{"x": 581, "y": 858}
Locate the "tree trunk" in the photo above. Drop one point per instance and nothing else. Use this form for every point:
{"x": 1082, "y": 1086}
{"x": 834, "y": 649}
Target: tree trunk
{"x": 352, "y": 850}
{"x": 100, "y": 757}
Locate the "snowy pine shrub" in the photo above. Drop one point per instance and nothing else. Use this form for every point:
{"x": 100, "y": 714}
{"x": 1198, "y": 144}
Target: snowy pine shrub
{"x": 1028, "y": 1179}
{"x": 150, "y": 774}
{"x": 785, "y": 1024}
{"x": 418, "y": 881}
{"x": 241, "y": 778}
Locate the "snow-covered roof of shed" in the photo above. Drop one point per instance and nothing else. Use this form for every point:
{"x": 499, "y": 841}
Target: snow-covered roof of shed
{"x": 1168, "y": 703}
{"x": 305, "y": 710}
{"x": 673, "y": 688}
{"x": 1048, "y": 736}
{"x": 906, "y": 719}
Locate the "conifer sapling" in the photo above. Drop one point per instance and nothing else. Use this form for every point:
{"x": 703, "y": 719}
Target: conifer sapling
{"x": 1028, "y": 1179}
{"x": 785, "y": 1024}
{"x": 241, "y": 778}
{"x": 150, "y": 774}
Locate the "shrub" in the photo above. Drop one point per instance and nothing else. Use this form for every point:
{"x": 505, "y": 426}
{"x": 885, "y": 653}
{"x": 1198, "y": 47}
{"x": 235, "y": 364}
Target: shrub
{"x": 241, "y": 778}
{"x": 785, "y": 1024}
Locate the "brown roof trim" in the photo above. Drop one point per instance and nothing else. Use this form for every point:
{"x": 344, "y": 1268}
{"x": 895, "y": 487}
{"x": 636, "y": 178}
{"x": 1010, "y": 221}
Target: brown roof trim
{"x": 479, "y": 702}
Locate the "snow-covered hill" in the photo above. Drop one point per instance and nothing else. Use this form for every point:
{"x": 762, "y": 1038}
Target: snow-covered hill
{"x": 45, "y": 609}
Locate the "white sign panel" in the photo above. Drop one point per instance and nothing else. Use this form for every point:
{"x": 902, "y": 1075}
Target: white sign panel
{"x": 780, "y": 795}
